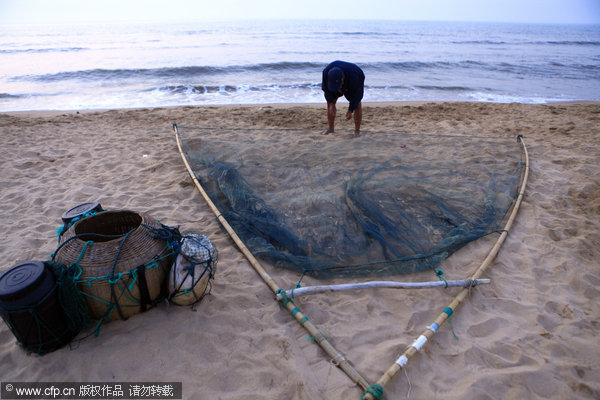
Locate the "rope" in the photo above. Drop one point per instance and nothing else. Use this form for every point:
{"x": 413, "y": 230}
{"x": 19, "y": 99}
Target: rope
{"x": 440, "y": 274}
{"x": 376, "y": 390}
{"x": 87, "y": 244}
{"x": 166, "y": 233}
{"x": 449, "y": 311}
{"x": 113, "y": 295}
{"x": 285, "y": 299}
{"x": 65, "y": 227}
{"x": 471, "y": 283}
{"x": 409, "y": 385}
{"x": 298, "y": 285}
{"x": 69, "y": 295}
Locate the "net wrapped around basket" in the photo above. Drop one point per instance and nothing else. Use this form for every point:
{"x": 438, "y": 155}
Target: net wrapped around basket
{"x": 123, "y": 262}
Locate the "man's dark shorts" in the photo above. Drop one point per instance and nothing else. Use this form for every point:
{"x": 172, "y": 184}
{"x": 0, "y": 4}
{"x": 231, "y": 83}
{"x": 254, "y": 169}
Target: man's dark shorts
{"x": 331, "y": 97}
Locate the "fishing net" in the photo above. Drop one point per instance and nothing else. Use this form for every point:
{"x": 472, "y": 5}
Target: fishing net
{"x": 385, "y": 203}
{"x": 46, "y": 311}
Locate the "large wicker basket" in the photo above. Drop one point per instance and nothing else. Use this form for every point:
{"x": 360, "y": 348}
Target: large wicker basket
{"x": 123, "y": 265}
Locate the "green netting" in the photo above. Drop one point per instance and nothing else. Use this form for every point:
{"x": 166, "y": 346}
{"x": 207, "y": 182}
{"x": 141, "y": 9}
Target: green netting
{"x": 54, "y": 319}
{"x": 385, "y": 203}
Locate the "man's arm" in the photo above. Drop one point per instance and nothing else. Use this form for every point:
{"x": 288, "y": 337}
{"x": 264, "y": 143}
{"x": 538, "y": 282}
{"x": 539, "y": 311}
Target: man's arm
{"x": 355, "y": 93}
{"x": 355, "y": 100}
{"x": 324, "y": 80}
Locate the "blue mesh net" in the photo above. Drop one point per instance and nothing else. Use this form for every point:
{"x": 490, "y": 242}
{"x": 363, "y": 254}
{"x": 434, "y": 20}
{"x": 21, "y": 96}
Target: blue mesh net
{"x": 385, "y": 203}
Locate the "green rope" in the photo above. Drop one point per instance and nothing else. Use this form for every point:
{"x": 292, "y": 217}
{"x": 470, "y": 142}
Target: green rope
{"x": 319, "y": 337}
{"x": 115, "y": 278}
{"x": 134, "y": 280}
{"x": 374, "y": 389}
{"x": 449, "y": 311}
{"x": 91, "y": 296}
{"x": 113, "y": 295}
{"x": 87, "y": 244}
{"x": 125, "y": 292}
{"x": 70, "y": 297}
{"x": 106, "y": 317}
{"x": 65, "y": 227}
{"x": 284, "y": 298}
{"x": 124, "y": 282}
{"x": 440, "y": 275}
{"x": 298, "y": 285}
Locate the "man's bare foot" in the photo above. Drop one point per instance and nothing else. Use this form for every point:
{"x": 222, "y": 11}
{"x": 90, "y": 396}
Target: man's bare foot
{"x": 356, "y": 133}
{"x": 327, "y": 132}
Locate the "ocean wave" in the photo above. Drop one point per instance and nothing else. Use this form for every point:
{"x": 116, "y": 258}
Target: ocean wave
{"x": 195, "y": 89}
{"x": 228, "y": 88}
{"x": 171, "y": 72}
{"x": 423, "y": 65}
{"x": 226, "y": 94}
{"x": 209, "y": 89}
{"x": 535, "y": 43}
{"x": 44, "y": 50}
{"x": 552, "y": 69}
{"x": 374, "y": 34}
{"x": 9, "y": 96}
{"x": 193, "y": 32}
{"x": 445, "y": 88}
{"x": 307, "y": 68}
{"x": 488, "y": 42}
{"x": 571, "y": 42}
{"x": 439, "y": 88}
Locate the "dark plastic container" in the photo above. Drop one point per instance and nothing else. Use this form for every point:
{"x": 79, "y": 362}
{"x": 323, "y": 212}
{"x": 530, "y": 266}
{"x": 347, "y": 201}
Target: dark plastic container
{"x": 30, "y": 306}
{"x": 79, "y": 210}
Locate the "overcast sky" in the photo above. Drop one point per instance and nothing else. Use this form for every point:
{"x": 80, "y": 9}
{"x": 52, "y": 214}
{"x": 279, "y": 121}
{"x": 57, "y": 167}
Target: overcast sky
{"x": 75, "y": 11}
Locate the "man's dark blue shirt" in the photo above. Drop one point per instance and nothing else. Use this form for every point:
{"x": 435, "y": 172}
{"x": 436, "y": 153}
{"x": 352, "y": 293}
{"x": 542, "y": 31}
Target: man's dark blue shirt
{"x": 352, "y": 87}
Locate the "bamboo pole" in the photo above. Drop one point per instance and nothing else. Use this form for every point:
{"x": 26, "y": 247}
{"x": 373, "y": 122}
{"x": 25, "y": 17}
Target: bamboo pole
{"x": 308, "y": 290}
{"x": 336, "y": 357}
{"x": 462, "y": 295}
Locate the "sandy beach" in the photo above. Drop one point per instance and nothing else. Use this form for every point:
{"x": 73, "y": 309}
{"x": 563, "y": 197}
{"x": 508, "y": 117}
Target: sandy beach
{"x": 530, "y": 334}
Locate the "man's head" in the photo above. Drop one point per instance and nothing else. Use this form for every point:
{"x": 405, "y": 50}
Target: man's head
{"x": 335, "y": 76}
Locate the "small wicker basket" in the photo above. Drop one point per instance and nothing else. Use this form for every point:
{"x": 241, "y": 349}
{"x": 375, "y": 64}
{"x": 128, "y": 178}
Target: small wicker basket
{"x": 123, "y": 265}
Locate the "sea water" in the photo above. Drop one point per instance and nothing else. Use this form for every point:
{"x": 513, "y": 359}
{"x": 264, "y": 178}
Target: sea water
{"x": 60, "y": 67}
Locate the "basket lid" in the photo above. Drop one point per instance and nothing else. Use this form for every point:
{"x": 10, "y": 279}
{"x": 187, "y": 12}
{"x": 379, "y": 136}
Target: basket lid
{"x": 197, "y": 247}
{"x": 80, "y": 210}
{"x": 21, "y": 279}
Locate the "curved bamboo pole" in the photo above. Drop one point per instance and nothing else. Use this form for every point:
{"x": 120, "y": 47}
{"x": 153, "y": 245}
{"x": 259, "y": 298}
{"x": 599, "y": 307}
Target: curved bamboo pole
{"x": 462, "y": 295}
{"x": 336, "y": 357}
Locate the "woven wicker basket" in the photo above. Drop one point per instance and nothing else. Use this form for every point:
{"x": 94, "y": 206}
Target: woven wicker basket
{"x": 109, "y": 248}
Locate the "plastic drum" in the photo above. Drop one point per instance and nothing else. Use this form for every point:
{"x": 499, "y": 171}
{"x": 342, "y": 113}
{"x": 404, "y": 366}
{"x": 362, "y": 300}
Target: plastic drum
{"x": 30, "y": 306}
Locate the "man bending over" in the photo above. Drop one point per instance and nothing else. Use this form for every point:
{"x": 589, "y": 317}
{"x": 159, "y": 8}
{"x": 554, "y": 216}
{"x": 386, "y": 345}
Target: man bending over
{"x": 347, "y": 79}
